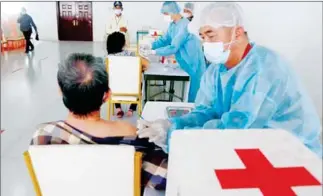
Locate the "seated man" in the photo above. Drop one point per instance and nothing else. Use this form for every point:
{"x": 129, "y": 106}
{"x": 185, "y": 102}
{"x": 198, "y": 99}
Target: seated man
{"x": 84, "y": 85}
{"x": 116, "y": 43}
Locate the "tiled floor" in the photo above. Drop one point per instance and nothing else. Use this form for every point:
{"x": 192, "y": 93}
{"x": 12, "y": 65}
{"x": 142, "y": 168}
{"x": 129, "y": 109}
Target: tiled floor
{"x": 29, "y": 96}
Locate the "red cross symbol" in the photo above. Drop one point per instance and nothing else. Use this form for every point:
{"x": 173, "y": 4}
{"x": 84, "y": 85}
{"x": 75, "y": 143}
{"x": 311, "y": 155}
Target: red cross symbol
{"x": 260, "y": 173}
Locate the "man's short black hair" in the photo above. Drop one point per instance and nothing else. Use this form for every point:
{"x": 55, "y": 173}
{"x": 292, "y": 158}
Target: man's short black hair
{"x": 117, "y": 3}
{"x": 115, "y": 42}
{"x": 83, "y": 81}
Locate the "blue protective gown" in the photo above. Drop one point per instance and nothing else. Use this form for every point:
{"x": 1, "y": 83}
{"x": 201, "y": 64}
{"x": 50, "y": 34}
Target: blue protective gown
{"x": 260, "y": 92}
{"x": 188, "y": 52}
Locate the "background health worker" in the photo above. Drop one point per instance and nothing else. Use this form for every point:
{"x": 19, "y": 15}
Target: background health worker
{"x": 186, "y": 46}
{"x": 247, "y": 86}
{"x": 118, "y": 22}
{"x": 188, "y": 11}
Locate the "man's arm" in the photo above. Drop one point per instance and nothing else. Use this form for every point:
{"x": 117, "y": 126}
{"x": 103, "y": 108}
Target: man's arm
{"x": 124, "y": 27}
{"x": 43, "y": 137}
{"x": 205, "y": 109}
{"x": 33, "y": 24}
{"x": 177, "y": 41}
{"x": 145, "y": 63}
{"x": 162, "y": 41}
{"x": 154, "y": 162}
{"x": 254, "y": 106}
{"x": 175, "y": 45}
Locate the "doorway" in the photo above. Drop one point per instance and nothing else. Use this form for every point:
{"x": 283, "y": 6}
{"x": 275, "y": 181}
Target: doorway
{"x": 74, "y": 21}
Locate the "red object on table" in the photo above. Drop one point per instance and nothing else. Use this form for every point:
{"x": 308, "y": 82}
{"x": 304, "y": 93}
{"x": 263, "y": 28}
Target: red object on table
{"x": 162, "y": 59}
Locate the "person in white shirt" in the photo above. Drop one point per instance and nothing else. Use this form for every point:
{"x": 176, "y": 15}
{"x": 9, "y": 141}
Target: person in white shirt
{"x": 118, "y": 22}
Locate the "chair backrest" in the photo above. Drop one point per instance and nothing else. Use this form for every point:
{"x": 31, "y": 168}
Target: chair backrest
{"x": 84, "y": 170}
{"x": 124, "y": 74}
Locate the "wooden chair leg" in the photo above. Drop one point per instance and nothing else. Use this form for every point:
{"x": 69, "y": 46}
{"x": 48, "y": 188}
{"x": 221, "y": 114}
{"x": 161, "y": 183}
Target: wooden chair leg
{"x": 137, "y": 169}
{"x": 108, "y": 111}
{"x": 32, "y": 173}
{"x": 139, "y": 107}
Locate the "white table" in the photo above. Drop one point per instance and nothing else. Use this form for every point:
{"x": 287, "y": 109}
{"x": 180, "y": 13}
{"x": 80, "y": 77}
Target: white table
{"x": 253, "y": 162}
{"x": 157, "y": 110}
{"x": 158, "y": 71}
{"x": 196, "y": 155}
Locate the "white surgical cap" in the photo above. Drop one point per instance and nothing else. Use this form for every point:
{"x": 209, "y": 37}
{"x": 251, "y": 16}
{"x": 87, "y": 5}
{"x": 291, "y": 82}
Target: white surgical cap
{"x": 222, "y": 14}
{"x": 189, "y": 6}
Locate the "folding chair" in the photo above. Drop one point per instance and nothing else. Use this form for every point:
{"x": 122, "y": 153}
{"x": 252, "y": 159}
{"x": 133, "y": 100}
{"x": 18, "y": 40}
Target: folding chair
{"x": 84, "y": 170}
{"x": 125, "y": 77}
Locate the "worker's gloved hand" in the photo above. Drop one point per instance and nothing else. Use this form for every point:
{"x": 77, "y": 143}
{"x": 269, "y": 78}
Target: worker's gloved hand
{"x": 150, "y": 52}
{"x": 142, "y": 51}
{"x": 146, "y": 46}
{"x": 157, "y": 127}
{"x": 147, "y": 53}
{"x": 156, "y": 131}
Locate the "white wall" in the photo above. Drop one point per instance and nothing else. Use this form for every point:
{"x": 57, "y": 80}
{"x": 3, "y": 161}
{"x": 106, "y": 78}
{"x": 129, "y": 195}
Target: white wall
{"x": 102, "y": 12}
{"x": 43, "y": 13}
{"x": 292, "y": 28}
{"x": 45, "y": 16}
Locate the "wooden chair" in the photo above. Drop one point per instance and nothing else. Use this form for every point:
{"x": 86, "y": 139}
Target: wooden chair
{"x": 125, "y": 77}
{"x": 84, "y": 170}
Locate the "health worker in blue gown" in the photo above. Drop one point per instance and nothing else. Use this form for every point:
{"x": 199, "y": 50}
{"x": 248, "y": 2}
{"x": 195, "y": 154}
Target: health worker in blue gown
{"x": 247, "y": 86}
{"x": 184, "y": 45}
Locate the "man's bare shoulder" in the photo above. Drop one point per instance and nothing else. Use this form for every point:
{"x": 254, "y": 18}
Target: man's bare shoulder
{"x": 122, "y": 127}
{"x": 128, "y": 128}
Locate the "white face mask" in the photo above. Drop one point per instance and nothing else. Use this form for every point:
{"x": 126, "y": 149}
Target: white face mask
{"x": 118, "y": 11}
{"x": 186, "y": 15}
{"x": 214, "y": 52}
{"x": 168, "y": 18}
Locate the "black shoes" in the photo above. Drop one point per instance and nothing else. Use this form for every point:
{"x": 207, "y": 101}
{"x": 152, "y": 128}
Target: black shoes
{"x": 29, "y": 50}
